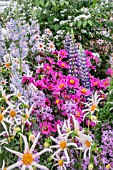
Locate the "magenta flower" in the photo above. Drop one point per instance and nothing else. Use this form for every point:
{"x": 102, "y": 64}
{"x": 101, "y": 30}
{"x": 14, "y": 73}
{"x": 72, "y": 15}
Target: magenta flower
{"x": 72, "y": 81}
{"x": 63, "y": 53}
{"x": 84, "y": 91}
{"x": 50, "y": 60}
{"x": 105, "y": 83}
{"x": 46, "y": 127}
{"x": 47, "y": 67}
{"x": 95, "y": 82}
{"x": 110, "y": 72}
{"x": 61, "y": 85}
{"x": 62, "y": 64}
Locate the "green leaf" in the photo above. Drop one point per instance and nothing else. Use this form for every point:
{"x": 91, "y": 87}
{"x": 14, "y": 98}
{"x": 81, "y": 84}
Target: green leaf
{"x": 90, "y": 22}
{"x": 84, "y": 23}
{"x": 47, "y": 4}
{"x": 61, "y": 2}
{"x": 42, "y": 3}
{"x": 79, "y": 23}
{"x": 56, "y": 27}
{"x": 66, "y": 2}
{"x": 53, "y": 2}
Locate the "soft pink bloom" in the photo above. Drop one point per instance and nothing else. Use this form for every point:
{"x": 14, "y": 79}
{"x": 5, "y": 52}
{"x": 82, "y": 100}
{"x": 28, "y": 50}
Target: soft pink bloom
{"x": 46, "y": 127}
{"x": 72, "y": 81}
{"x": 50, "y": 60}
{"x": 63, "y": 53}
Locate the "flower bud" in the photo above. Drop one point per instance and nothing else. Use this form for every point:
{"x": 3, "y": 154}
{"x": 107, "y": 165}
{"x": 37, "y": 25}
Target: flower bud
{"x": 46, "y": 145}
{"x": 31, "y": 137}
{"x": 17, "y": 129}
{"x": 90, "y": 166}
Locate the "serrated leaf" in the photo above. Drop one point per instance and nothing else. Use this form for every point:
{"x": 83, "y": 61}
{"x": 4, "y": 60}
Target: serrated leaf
{"x": 79, "y": 23}
{"x": 90, "y": 22}
{"x": 84, "y": 23}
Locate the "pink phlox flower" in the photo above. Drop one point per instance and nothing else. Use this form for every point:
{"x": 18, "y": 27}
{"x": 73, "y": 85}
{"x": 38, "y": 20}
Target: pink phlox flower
{"x": 62, "y": 64}
{"x": 46, "y": 127}
{"x": 63, "y": 53}
{"x": 72, "y": 81}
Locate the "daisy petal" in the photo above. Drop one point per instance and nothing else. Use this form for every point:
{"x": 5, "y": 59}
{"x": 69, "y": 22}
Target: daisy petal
{"x": 15, "y": 152}
{"x": 40, "y": 166}
{"x": 17, "y": 164}
{"x": 26, "y": 149}
{"x": 30, "y": 167}
{"x": 66, "y": 154}
{"x": 34, "y": 143}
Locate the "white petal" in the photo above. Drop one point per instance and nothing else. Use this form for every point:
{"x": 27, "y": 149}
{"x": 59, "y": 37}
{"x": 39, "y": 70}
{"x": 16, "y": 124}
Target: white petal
{"x": 71, "y": 144}
{"x": 59, "y": 132}
{"x": 34, "y": 143}
{"x": 43, "y": 151}
{"x": 54, "y": 146}
{"x": 17, "y": 164}
{"x": 40, "y": 166}
{"x": 15, "y": 152}
{"x": 55, "y": 140}
{"x": 26, "y": 146}
{"x": 5, "y": 127}
{"x": 66, "y": 154}
{"x": 23, "y": 167}
{"x": 85, "y": 153}
{"x": 30, "y": 167}
{"x": 3, "y": 165}
{"x": 56, "y": 153}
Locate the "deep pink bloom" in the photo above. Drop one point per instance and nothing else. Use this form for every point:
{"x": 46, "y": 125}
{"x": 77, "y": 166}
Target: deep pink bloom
{"x": 40, "y": 84}
{"x": 50, "y": 60}
{"x": 46, "y": 127}
{"x": 72, "y": 81}
{"x": 62, "y": 64}
{"x": 105, "y": 83}
{"x": 84, "y": 91}
{"x": 63, "y": 53}
{"x": 47, "y": 67}
{"x": 110, "y": 72}
{"x": 61, "y": 85}
{"x": 95, "y": 82}
{"x": 90, "y": 123}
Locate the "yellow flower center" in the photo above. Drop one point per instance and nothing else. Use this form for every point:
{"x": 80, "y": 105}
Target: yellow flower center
{"x": 78, "y": 113}
{"x": 106, "y": 83}
{"x": 88, "y": 144}
{"x": 95, "y": 83}
{"x": 12, "y": 113}
{"x": 26, "y": 116}
{"x": 108, "y": 166}
{"x": 60, "y": 162}
{"x": 63, "y": 144}
{"x": 18, "y": 95}
{"x": 61, "y": 86}
{"x": 7, "y": 65}
{"x": 63, "y": 64}
{"x": 83, "y": 90}
{"x": 27, "y": 158}
{"x": 48, "y": 67}
{"x": 5, "y": 169}
{"x": 1, "y": 117}
{"x": 57, "y": 101}
{"x": 68, "y": 130}
{"x": 93, "y": 107}
{"x": 72, "y": 81}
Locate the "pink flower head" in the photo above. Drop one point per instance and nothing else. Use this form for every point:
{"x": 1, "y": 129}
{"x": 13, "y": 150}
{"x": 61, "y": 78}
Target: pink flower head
{"x": 63, "y": 53}
{"x": 50, "y": 60}
{"x": 40, "y": 84}
{"x": 95, "y": 82}
{"x": 84, "y": 91}
{"x": 76, "y": 97}
{"x": 88, "y": 63}
{"x": 90, "y": 123}
{"x": 72, "y": 81}
{"x": 105, "y": 83}
{"x": 47, "y": 67}
{"x": 45, "y": 127}
{"x": 58, "y": 102}
{"x": 110, "y": 72}
{"x": 61, "y": 85}
{"x": 62, "y": 64}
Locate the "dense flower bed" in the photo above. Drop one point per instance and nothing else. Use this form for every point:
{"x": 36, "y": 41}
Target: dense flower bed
{"x": 51, "y": 102}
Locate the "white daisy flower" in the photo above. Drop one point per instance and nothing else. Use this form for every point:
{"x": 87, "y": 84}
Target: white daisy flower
{"x": 40, "y": 46}
{"x": 60, "y": 162}
{"x": 62, "y": 143}
{"x": 86, "y": 141}
{"x": 92, "y": 105}
{"x": 27, "y": 158}
{"x": 51, "y": 46}
{"x": 66, "y": 128}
